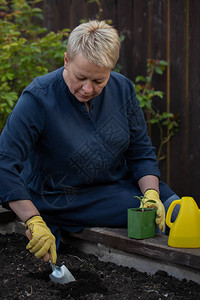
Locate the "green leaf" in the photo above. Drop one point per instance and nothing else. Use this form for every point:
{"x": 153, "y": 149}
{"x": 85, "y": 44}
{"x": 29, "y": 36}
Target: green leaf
{"x": 163, "y": 63}
{"x": 154, "y": 121}
{"x": 159, "y": 94}
{"x": 159, "y": 70}
{"x": 140, "y": 78}
{"x": 91, "y": 1}
{"x": 122, "y": 38}
{"x": 148, "y": 79}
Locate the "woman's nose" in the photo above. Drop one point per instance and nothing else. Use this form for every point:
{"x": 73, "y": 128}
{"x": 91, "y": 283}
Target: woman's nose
{"x": 87, "y": 87}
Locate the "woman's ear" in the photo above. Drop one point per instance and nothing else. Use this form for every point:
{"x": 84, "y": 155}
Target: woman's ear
{"x": 65, "y": 60}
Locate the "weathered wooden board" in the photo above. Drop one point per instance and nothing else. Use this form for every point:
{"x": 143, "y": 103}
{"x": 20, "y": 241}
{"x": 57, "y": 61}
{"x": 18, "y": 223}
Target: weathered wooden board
{"x": 154, "y": 247}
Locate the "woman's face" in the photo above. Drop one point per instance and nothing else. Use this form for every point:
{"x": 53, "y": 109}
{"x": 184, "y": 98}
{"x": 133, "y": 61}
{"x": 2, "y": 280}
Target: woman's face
{"x": 84, "y": 79}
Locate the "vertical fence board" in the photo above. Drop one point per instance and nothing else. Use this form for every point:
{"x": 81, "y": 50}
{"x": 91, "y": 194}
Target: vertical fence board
{"x": 125, "y": 28}
{"x": 63, "y": 14}
{"x": 49, "y": 8}
{"x": 194, "y": 99}
{"x": 158, "y": 51}
{"x": 178, "y": 57}
{"x": 139, "y": 38}
{"x": 78, "y": 12}
{"x": 110, "y": 11}
{"x": 158, "y": 45}
{"x": 92, "y": 10}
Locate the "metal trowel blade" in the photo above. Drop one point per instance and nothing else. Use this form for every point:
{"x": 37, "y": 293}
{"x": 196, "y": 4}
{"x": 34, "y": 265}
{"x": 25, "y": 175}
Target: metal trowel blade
{"x": 61, "y": 275}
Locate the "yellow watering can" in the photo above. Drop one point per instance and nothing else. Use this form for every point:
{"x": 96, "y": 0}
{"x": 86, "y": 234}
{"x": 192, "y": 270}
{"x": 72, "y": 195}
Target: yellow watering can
{"x": 185, "y": 231}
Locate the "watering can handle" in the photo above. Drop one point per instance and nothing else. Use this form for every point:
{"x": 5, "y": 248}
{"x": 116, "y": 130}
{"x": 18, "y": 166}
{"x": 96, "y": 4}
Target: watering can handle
{"x": 169, "y": 212}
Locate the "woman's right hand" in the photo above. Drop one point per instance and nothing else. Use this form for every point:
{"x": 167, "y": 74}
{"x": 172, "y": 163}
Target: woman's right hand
{"x": 46, "y": 257}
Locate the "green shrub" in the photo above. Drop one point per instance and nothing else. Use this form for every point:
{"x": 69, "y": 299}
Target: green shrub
{"x": 26, "y": 50}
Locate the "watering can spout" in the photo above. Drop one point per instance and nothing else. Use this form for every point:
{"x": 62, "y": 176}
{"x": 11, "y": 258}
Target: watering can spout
{"x": 185, "y": 231}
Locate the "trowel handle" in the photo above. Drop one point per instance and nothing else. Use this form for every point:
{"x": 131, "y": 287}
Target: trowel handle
{"x": 28, "y": 234}
{"x": 46, "y": 257}
{"x": 169, "y": 212}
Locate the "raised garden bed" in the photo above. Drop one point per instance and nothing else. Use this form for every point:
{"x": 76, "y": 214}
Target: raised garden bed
{"x": 24, "y": 277}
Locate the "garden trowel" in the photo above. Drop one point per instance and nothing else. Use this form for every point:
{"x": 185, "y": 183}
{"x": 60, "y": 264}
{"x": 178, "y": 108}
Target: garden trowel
{"x": 59, "y": 275}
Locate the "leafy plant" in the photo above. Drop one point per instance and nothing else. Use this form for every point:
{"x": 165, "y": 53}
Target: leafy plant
{"x": 142, "y": 201}
{"x": 167, "y": 122}
{"x": 26, "y": 50}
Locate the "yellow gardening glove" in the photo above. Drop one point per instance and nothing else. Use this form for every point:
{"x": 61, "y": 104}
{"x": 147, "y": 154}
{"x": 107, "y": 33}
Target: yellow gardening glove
{"x": 43, "y": 240}
{"x": 153, "y": 195}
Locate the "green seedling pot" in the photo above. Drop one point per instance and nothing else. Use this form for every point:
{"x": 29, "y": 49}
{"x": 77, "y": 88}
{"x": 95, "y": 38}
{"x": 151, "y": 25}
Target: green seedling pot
{"x": 141, "y": 225}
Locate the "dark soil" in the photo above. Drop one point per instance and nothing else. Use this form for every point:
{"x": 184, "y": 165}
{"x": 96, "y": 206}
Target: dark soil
{"x": 22, "y": 276}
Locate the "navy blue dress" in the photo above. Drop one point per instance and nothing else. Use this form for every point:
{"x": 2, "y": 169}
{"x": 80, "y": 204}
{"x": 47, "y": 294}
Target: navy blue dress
{"x": 80, "y": 169}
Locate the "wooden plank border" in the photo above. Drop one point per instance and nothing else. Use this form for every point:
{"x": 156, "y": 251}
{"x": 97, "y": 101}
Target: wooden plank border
{"x": 156, "y": 248}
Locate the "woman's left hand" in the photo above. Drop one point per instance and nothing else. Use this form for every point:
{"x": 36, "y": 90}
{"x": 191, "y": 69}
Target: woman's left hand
{"x": 153, "y": 195}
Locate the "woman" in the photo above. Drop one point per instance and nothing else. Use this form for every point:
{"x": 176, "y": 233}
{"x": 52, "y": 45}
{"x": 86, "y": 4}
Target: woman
{"x": 75, "y": 150}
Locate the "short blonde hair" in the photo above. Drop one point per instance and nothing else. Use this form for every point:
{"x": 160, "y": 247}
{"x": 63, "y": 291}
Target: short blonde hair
{"x": 97, "y": 41}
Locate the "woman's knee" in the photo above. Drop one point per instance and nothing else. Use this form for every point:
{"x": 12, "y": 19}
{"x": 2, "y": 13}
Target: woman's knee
{"x": 167, "y": 204}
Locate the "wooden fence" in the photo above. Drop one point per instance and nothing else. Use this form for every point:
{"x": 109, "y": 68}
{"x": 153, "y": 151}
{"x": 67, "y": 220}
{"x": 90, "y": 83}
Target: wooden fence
{"x": 159, "y": 29}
